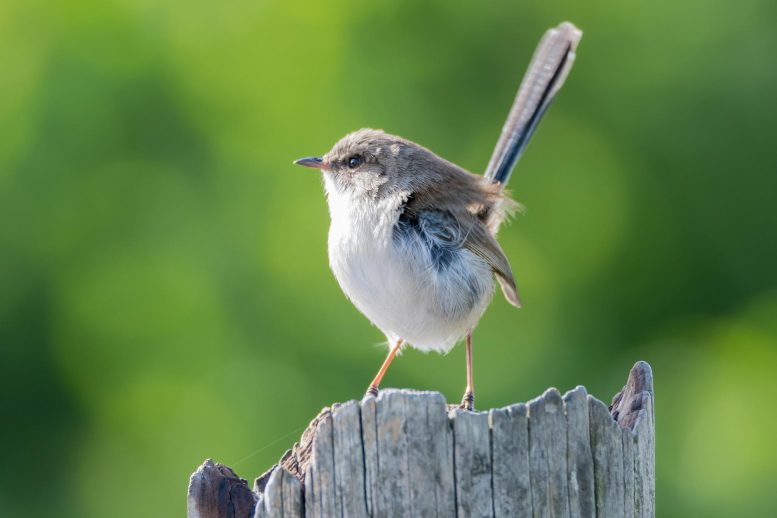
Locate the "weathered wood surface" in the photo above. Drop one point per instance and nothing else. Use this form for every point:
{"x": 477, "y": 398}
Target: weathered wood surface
{"x": 404, "y": 454}
{"x": 215, "y": 490}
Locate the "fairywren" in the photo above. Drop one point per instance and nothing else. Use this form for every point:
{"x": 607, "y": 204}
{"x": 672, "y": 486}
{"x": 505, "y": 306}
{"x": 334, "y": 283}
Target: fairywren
{"x": 412, "y": 239}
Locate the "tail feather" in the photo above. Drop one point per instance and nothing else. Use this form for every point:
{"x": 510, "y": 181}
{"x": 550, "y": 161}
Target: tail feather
{"x": 547, "y": 71}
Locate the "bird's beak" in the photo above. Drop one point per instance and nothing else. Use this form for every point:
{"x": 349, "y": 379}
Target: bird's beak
{"x": 311, "y": 161}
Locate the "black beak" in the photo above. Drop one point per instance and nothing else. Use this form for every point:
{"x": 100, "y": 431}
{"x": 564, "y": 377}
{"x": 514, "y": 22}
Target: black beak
{"x": 312, "y": 161}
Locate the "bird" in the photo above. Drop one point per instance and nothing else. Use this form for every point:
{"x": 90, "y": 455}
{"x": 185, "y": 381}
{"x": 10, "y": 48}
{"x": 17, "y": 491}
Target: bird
{"x": 412, "y": 241}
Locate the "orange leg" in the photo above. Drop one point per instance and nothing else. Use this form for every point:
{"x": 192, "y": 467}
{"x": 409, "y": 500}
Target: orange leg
{"x": 373, "y": 388}
{"x": 468, "y": 401}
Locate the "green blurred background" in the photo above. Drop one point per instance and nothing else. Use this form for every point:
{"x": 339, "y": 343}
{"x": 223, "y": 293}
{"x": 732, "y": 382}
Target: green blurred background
{"x": 164, "y": 288}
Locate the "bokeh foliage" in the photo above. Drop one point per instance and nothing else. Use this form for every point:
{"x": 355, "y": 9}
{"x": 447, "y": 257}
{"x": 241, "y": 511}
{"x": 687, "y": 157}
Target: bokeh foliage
{"x": 164, "y": 290}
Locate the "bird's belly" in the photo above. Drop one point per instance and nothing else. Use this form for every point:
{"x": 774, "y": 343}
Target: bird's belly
{"x": 406, "y": 297}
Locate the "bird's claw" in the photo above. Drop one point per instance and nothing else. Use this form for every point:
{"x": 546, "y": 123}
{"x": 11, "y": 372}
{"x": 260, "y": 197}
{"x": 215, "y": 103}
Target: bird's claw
{"x": 468, "y": 401}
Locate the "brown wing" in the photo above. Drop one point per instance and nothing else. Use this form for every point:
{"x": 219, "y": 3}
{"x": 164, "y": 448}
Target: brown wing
{"x": 480, "y": 242}
{"x": 474, "y": 205}
{"x": 466, "y": 230}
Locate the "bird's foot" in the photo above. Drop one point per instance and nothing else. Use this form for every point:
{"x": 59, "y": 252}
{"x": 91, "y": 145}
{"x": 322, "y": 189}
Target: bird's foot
{"x": 372, "y": 391}
{"x": 468, "y": 401}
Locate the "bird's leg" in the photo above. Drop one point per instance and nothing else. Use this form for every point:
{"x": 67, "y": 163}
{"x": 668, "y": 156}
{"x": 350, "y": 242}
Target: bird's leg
{"x": 373, "y": 388}
{"x": 468, "y": 401}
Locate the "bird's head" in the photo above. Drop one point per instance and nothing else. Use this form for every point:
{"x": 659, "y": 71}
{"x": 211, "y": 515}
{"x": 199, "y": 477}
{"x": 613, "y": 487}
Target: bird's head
{"x": 371, "y": 163}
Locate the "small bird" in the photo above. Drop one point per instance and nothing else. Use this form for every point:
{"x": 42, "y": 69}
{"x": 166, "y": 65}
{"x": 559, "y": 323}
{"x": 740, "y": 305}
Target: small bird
{"x": 412, "y": 237}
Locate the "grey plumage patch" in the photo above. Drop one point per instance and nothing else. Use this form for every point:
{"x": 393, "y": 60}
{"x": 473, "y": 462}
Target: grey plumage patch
{"x": 435, "y": 231}
{"x": 437, "y": 235}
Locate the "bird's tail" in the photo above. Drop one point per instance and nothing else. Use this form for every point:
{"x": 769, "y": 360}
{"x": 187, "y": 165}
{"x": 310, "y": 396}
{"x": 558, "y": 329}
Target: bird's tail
{"x": 547, "y": 71}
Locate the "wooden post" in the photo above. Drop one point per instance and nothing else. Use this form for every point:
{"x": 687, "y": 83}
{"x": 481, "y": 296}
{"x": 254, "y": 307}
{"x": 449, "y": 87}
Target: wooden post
{"x": 405, "y": 453}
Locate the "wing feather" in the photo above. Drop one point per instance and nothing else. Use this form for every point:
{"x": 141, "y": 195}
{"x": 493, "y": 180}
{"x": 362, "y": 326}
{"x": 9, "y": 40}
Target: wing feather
{"x": 472, "y": 207}
{"x": 464, "y": 229}
{"x": 482, "y": 243}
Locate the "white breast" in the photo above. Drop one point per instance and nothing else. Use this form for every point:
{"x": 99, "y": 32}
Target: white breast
{"x": 396, "y": 287}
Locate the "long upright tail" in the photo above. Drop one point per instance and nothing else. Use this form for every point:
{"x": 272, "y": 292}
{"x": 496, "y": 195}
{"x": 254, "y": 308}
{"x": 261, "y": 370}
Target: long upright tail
{"x": 547, "y": 71}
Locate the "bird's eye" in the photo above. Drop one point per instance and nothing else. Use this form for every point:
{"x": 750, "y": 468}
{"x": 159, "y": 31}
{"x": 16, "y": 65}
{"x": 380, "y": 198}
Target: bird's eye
{"x": 355, "y": 161}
